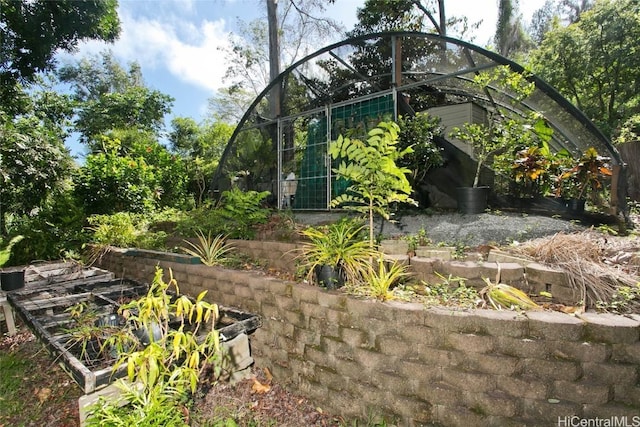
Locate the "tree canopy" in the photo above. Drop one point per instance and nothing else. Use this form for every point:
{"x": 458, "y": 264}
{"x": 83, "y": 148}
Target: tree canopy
{"x": 594, "y": 62}
{"x": 32, "y": 32}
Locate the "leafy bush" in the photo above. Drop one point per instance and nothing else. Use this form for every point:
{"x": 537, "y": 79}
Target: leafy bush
{"x": 125, "y": 229}
{"x": 165, "y": 366}
{"x": 51, "y": 232}
{"x": 236, "y": 215}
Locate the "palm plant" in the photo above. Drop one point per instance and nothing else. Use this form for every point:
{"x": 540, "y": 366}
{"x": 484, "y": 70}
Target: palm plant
{"x": 379, "y": 277}
{"x": 211, "y": 250}
{"x": 340, "y": 246}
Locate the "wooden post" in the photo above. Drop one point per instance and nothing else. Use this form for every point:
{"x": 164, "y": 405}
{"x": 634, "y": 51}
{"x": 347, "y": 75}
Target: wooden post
{"x": 274, "y": 57}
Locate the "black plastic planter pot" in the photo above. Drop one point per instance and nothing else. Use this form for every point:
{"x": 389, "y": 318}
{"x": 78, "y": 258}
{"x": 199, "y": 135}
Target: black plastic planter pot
{"x": 472, "y": 200}
{"x": 12, "y": 279}
{"x": 329, "y": 276}
{"x": 575, "y": 206}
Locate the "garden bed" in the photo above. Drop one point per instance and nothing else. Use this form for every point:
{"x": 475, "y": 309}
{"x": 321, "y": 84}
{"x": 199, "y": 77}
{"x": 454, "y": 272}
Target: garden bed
{"x": 45, "y": 305}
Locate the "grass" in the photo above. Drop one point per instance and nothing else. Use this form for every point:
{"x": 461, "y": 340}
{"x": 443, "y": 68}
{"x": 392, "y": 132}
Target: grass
{"x": 14, "y": 369}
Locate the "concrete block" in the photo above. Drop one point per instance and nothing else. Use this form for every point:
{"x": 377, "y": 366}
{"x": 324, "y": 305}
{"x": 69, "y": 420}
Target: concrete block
{"x": 612, "y": 374}
{"x": 611, "y": 328}
{"x": 549, "y": 370}
{"x": 394, "y": 246}
{"x": 626, "y": 353}
{"x": 552, "y": 325}
{"x": 582, "y": 392}
{"x": 546, "y": 275}
{"x": 496, "y": 255}
{"x": 525, "y": 387}
{"x": 579, "y": 351}
{"x": 442, "y": 253}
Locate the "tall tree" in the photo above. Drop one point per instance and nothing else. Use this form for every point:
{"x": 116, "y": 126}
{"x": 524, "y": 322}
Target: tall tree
{"x": 510, "y": 37}
{"x": 33, "y": 158}
{"x": 109, "y": 97}
{"x": 300, "y": 28}
{"x": 33, "y": 31}
{"x": 553, "y": 13}
{"x": 593, "y": 62}
{"x": 200, "y": 146}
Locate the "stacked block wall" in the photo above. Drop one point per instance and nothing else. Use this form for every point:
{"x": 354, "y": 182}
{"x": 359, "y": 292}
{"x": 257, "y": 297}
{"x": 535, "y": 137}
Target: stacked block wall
{"x": 355, "y": 357}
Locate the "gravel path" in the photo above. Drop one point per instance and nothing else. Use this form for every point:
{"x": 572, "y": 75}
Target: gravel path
{"x": 455, "y": 228}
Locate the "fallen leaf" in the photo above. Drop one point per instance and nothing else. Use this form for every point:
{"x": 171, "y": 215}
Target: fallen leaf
{"x": 43, "y": 394}
{"x": 268, "y": 376}
{"x": 259, "y": 388}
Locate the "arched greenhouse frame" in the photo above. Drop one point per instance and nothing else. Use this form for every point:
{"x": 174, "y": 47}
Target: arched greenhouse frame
{"x": 381, "y": 76}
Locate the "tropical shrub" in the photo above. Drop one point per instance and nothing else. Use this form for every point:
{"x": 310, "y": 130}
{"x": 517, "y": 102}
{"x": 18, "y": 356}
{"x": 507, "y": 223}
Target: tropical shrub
{"x": 236, "y": 215}
{"x": 165, "y": 366}
{"x": 375, "y": 179}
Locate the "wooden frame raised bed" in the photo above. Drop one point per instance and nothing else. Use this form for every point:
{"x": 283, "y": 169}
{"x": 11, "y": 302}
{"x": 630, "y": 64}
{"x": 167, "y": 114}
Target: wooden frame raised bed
{"x": 52, "y": 290}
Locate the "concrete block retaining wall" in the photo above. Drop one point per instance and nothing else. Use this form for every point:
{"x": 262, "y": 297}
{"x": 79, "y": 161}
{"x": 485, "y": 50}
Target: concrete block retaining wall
{"x": 420, "y": 365}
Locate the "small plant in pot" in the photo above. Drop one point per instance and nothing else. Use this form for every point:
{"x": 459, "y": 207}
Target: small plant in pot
{"x": 10, "y": 278}
{"x": 586, "y": 178}
{"x": 500, "y": 133}
{"x": 335, "y": 253}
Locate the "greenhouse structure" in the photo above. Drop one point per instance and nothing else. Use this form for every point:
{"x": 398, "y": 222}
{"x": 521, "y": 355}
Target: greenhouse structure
{"x": 348, "y": 87}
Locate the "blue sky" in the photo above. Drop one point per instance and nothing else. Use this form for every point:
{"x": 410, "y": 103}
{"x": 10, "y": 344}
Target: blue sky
{"x": 178, "y": 42}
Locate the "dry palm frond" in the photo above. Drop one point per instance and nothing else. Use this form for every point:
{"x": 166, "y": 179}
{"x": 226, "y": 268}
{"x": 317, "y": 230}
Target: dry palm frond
{"x": 580, "y": 255}
{"x": 502, "y": 296}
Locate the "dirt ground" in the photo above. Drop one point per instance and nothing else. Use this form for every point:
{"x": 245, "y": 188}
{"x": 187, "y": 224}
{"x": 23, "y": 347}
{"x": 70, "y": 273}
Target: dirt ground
{"x": 49, "y": 396}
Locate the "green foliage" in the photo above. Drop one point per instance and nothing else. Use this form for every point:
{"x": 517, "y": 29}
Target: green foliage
{"x": 168, "y": 361}
{"x": 629, "y": 131}
{"x": 591, "y": 62}
{"x": 586, "y": 177}
{"x": 149, "y": 411}
{"x": 379, "y": 278}
{"x": 109, "y": 97}
{"x": 625, "y": 299}
{"x": 450, "y": 291}
{"x": 5, "y": 250}
{"x": 418, "y": 132}
{"x": 14, "y": 369}
{"x": 34, "y": 162}
{"x": 210, "y": 250}
{"x": 242, "y": 210}
{"x": 125, "y": 229}
{"x": 134, "y": 173}
{"x": 235, "y": 216}
{"x": 503, "y": 133}
{"x": 56, "y": 230}
{"x": 33, "y": 32}
{"x": 340, "y": 245}
{"x": 375, "y": 180}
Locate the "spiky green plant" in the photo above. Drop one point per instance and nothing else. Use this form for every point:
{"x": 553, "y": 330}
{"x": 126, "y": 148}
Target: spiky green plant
{"x": 380, "y": 276}
{"x": 339, "y": 245}
{"x": 210, "y": 250}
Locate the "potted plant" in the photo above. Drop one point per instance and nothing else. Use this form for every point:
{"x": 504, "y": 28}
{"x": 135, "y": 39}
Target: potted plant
{"x": 335, "y": 253}
{"x": 500, "y": 133}
{"x": 10, "y": 278}
{"x": 483, "y": 139}
{"x": 585, "y": 178}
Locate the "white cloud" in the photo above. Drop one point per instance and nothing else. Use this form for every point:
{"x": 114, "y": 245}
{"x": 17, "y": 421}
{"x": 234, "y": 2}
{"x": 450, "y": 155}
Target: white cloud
{"x": 189, "y": 51}
{"x": 195, "y": 59}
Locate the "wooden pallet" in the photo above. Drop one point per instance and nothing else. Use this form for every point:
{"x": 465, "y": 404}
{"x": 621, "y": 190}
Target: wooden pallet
{"x": 52, "y": 288}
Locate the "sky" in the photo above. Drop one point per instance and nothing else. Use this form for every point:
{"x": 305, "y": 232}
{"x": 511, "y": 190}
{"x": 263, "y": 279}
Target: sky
{"x": 178, "y": 42}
